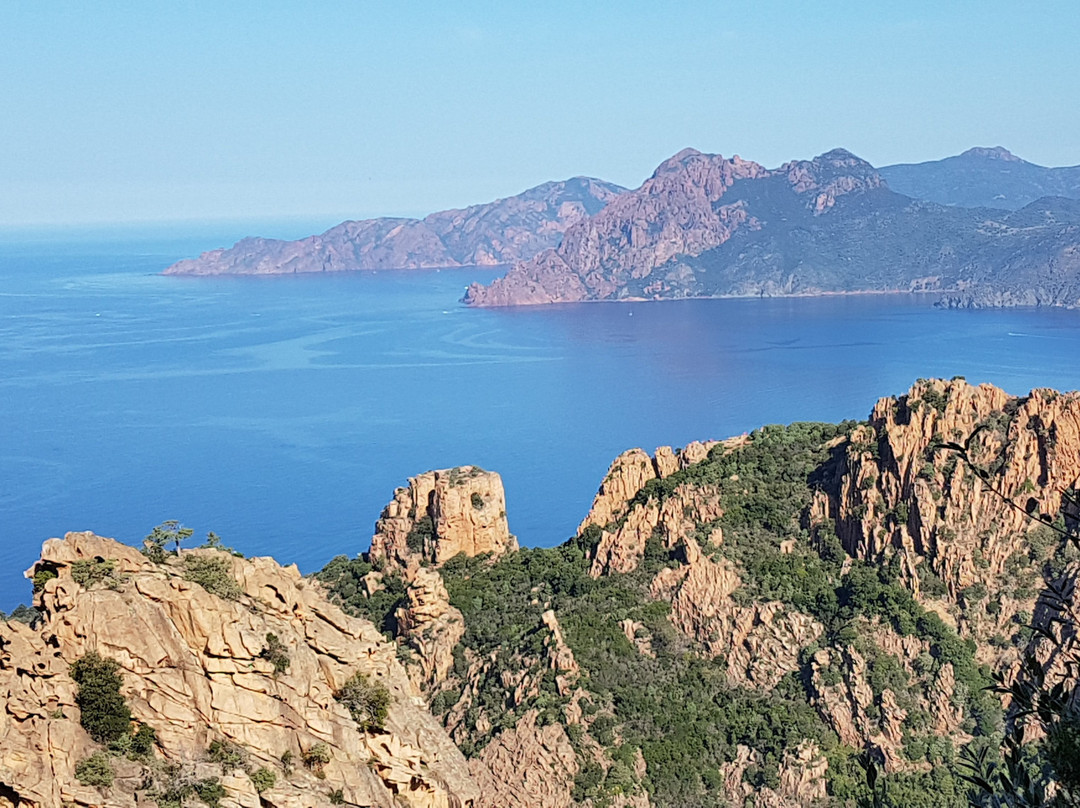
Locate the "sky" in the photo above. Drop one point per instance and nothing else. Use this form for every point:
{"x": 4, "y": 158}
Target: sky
{"x": 114, "y": 112}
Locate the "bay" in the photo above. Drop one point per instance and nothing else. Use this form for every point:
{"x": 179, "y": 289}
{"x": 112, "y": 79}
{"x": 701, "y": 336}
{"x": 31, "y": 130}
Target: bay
{"x": 282, "y": 412}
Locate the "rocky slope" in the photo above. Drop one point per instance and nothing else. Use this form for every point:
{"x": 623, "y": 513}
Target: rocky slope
{"x": 982, "y": 178}
{"x": 736, "y": 619}
{"x": 195, "y": 668}
{"x": 706, "y": 226}
{"x": 500, "y": 232}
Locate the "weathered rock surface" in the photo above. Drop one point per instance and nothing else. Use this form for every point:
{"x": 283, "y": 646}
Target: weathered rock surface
{"x": 706, "y": 226}
{"x": 500, "y": 232}
{"x": 760, "y": 641}
{"x": 527, "y": 767}
{"x": 193, "y": 669}
{"x": 429, "y": 625}
{"x": 903, "y": 493}
{"x": 802, "y": 779}
{"x": 443, "y": 513}
{"x": 626, "y": 526}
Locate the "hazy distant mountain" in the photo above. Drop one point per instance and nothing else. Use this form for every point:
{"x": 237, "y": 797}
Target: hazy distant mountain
{"x": 981, "y": 177}
{"x": 500, "y": 232}
{"x": 706, "y": 226}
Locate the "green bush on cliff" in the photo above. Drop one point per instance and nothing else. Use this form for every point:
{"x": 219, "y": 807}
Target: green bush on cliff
{"x": 344, "y": 579}
{"x": 212, "y": 574}
{"x": 103, "y": 712}
{"x": 367, "y": 700}
{"x": 95, "y": 771}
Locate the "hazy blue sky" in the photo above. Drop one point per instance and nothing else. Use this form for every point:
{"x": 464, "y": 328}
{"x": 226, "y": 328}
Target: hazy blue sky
{"x": 116, "y": 111}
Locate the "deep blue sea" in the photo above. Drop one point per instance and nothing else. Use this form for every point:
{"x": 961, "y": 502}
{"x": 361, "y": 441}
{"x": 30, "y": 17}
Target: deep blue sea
{"x": 282, "y": 412}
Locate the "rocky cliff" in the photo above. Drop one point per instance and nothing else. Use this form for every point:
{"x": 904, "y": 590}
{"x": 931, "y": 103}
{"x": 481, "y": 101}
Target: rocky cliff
{"x": 441, "y": 514}
{"x": 706, "y": 226}
{"x": 236, "y": 665}
{"x": 500, "y": 232}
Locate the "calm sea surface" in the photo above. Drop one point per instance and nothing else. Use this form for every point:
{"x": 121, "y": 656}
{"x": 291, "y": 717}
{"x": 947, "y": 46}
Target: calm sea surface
{"x": 282, "y": 412}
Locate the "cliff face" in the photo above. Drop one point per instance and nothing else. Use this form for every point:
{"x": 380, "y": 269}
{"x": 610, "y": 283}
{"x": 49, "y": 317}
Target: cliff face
{"x": 443, "y": 513}
{"x": 705, "y": 226}
{"x": 195, "y": 668}
{"x": 500, "y": 232}
{"x": 943, "y": 479}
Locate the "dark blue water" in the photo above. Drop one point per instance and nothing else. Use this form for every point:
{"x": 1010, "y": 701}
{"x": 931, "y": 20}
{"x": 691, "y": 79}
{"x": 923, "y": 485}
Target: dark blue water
{"x": 282, "y": 412}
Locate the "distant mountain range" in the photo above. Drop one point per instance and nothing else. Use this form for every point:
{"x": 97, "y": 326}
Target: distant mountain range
{"x": 501, "y": 232}
{"x": 980, "y": 177}
{"x": 706, "y": 226}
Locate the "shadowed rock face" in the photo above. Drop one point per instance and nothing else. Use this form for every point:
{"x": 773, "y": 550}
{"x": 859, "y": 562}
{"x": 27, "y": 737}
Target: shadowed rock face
{"x": 706, "y": 226}
{"x": 500, "y": 232}
{"x": 193, "y": 670}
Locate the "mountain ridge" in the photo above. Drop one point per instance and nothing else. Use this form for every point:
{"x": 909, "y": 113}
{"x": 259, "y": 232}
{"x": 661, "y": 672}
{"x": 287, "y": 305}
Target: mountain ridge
{"x": 490, "y": 234}
{"x": 707, "y": 226}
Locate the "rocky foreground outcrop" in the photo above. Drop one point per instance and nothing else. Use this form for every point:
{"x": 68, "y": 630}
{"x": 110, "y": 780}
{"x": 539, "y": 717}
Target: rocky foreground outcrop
{"x": 196, "y": 669}
{"x": 500, "y": 232}
{"x": 442, "y": 513}
{"x": 950, "y": 480}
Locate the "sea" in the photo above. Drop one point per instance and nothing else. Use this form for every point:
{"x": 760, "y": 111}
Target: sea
{"x": 282, "y": 412}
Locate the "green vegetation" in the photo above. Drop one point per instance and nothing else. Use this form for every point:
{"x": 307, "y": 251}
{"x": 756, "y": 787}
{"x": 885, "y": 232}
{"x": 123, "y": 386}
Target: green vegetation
{"x": 22, "y": 614}
{"x": 316, "y": 758}
{"x": 212, "y": 574}
{"x": 226, "y": 754}
{"x": 103, "y": 712}
{"x": 276, "y": 654}
{"x": 95, "y": 771}
{"x": 344, "y": 578}
{"x": 367, "y": 701}
{"x": 42, "y": 575}
{"x": 477, "y": 501}
{"x": 87, "y": 573}
{"x": 157, "y": 540}
{"x": 263, "y": 779}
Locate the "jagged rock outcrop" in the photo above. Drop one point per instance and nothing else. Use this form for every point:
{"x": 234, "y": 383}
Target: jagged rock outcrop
{"x": 627, "y": 527}
{"x": 194, "y": 668}
{"x": 499, "y": 232}
{"x": 759, "y": 641}
{"x": 443, "y": 513}
{"x": 430, "y": 626}
{"x": 527, "y": 767}
{"x": 903, "y": 492}
{"x": 706, "y": 226}
{"x": 801, "y": 775}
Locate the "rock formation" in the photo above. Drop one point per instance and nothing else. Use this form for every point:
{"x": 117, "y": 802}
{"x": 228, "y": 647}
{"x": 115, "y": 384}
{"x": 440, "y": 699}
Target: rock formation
{"x": 759, "y": 641}
{"x": 944, "y": 479}
{"x": 429, "y": 625}
{"x": 706, "y": 226}
{"x": 500, "y": 232}
{"x": 196, "y": 669}
{"x": 443, "y": 513}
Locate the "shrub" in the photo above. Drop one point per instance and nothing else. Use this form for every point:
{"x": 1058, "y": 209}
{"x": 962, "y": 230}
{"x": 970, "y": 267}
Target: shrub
{"x": 210, "y": 791}
{"x": 477, "y": 501}
{"x": 213, "y": 575}
{"x": 42, "y": 577}
{"x": 142, "y": 742}
{"x": 287, "y": 761}
{"x": 421, "y": 534}
{"x": 103, "y": 712}
{"x": 227, "y": 754}
{"x": 337, "y": 797}
{"x": 276, "y": 654}
{"x": 95, "y": 771}
{"x": 263, "y": 779}
{"x": 87, "y": 573}
{"x": 316, "y": 757}
{"x": 367, "y": 701}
